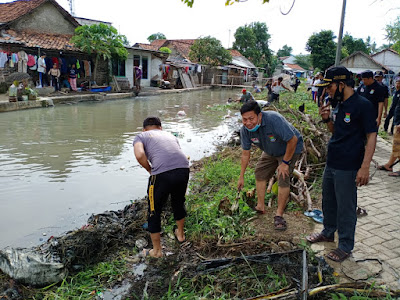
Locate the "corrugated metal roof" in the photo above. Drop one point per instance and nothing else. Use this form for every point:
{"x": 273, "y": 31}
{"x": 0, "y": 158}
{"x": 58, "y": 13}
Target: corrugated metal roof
{"x": 243, "y": 62}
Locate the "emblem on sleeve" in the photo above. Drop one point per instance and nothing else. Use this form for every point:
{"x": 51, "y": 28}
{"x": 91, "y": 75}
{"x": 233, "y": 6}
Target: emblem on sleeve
{"x": 372, "y": 92}
{"x": 347, "y": 118}
{"x": 272, "y": 138}
{"x": 255, "y": 140}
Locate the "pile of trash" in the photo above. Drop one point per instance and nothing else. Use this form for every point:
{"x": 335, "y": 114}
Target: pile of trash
{"x": 51, "y": 262}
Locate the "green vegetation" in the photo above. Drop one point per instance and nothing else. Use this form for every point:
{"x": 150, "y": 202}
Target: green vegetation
{"x": 252, "y": 42}
{"x": 156, "y": 36}
{"x": 209, "y": 51}
{"x": 101, "y": 40}
{"x": 322, "y": 49}
{"x": 213, "y": 193}
{"x": 88, "y": 283}
{"x": 165, "y": 50}
{"x": 238, "y": 281}
{"x": 284, "y": 51}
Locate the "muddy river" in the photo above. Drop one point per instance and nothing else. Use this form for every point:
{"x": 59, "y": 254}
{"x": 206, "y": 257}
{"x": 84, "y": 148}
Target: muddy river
{"x": 59, "y": 165}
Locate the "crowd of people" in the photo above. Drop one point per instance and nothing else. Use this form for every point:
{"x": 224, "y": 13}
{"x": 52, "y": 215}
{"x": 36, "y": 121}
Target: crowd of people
{"x": 352, "y": 116}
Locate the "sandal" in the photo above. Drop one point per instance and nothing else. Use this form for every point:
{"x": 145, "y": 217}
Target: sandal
{"x": 361, "y": 212}
{"x": 394, "y": 174}
{"x": 337, "y": 255}
{"x": 383, "y": 168}
{"x": 318, "y": 237}
{"x": 261, "y": 212}
{"x": 279, "y": 223}
{"x": 176, "y": 237}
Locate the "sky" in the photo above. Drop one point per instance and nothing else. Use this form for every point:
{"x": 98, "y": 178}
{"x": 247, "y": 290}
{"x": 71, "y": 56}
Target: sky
{"x": 137, "y": 19}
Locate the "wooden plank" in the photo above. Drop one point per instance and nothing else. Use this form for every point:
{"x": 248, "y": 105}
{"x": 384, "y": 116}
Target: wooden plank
{"x": 116, "y": 84}
{"x": 181, "y": 77}
{"x": 192, "y": 81}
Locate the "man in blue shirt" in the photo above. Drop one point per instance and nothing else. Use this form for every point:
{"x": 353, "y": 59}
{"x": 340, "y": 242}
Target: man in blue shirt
{"x": 350, "y": 151}
{"x": 281, "y": 144}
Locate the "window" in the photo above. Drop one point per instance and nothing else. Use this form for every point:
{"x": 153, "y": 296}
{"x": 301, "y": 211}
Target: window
{"x": 118, "y": 67}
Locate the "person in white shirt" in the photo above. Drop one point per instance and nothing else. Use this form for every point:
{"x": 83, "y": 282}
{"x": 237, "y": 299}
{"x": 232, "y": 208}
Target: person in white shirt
{"x": 41, "y": 68}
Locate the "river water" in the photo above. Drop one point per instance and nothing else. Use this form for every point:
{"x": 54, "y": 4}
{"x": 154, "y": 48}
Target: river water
{"x": 59, "y": 165}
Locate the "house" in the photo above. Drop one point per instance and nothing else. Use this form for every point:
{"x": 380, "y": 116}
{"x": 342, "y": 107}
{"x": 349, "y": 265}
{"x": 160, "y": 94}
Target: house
{"x": 37, "y": 26}
{"x": 388, "y": 58}
{"x": 238, "y": 71}
{"x": 290, "y": 66}
{"x": 359, "y": 62}
{"x": 177, "y": 69}
{"x": 149, "y": 60}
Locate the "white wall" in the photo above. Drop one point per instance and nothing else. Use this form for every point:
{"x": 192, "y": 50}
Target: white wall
{"x": 388, "y": 59}
{"x": 129, "y": 66}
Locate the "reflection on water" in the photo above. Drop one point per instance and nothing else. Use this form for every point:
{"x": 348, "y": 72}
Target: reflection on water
{"x": 58, "y": 165}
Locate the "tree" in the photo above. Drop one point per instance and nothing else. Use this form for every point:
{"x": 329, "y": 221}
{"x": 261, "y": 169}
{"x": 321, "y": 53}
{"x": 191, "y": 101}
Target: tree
{"x": 209, "y": 51}
{"x": 227, "y": 2}
{"x": 101, "y": 40}
{"x": 396, "y": 47}
{"x": 393, "y": 31}
{"x": 371, "y": 46}
{"x": 156, "y": 36}
{"x": 285, "y": 51}
{"x": 252, "y": 41}
{"x": 322, "y": 49}
{"x": 303, "y": 60}
{"x": 351, "y": 45}
{"x": 165, "y": 50}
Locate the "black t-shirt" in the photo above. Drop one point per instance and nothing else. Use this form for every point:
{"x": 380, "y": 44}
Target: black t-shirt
{"x": 396, "y": 105}
{"x": 353, "y": 120}
{"x": 385, "y": 90}
{"x": 374, "y": 93}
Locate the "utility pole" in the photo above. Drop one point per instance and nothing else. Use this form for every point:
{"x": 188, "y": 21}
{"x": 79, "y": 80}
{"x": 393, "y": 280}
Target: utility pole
{"x": 229, "y": 38}
{"x": 71, "y": 7}
{"x": 339, "y": 44}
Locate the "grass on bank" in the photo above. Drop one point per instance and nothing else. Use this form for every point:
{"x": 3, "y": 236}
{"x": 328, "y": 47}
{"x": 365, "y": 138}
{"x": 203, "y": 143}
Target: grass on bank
{"x": 86, "y": 284}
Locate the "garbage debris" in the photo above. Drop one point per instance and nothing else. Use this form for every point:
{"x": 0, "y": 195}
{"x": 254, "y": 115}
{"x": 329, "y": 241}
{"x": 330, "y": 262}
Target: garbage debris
{"x": 50, "y": 262}
{"x": 315, "y": 214}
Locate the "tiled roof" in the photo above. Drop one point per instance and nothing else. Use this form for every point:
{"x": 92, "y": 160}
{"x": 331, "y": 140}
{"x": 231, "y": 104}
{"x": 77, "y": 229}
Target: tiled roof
{"x": 181, "y": 46}
{"x": 13, "y": 10}
{"x": 295, "y": 67}
{"x": 34, "y": 39}
{"x": 146, "y": 46}
{"x": 235, "y": 52}
{"x": 158, "y": 43}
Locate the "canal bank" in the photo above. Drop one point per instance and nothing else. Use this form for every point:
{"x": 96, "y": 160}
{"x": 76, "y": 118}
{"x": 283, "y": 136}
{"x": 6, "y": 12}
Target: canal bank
{"x": 43, "y": 102}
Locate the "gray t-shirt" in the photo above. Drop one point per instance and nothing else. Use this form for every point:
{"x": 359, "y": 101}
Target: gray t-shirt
{"x": 246, "y": 97}
{"x": 162, "y": 150}
{"x": 272, "y": 136}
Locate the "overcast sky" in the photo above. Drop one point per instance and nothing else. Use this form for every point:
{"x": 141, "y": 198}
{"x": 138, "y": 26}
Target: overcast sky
{"x": 137, "y": 19}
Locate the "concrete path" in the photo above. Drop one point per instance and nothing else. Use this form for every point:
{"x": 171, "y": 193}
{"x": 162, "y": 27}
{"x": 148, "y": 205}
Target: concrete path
{"x": 376, "y": 255}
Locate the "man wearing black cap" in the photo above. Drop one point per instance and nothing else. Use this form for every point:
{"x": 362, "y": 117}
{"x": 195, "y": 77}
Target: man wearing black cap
{"x": 379, "y": 78}
{"x": 350, "y": 150}
{"x": 374, "y": 92}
